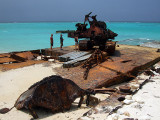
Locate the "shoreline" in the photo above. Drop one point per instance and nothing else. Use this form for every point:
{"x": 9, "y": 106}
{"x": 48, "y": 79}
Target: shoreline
{"x": 141, "y": 45}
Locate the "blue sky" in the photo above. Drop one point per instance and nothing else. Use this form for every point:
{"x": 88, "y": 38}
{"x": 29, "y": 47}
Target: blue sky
{"x": 74, "y": 10}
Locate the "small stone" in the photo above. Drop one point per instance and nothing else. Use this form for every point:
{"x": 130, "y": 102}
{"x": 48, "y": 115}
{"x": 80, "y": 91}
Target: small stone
{"x": 39, "y": 58}
{"x": 128, "y": 97}
{"x": 134, "y": 86}
{"x": 127, "y": 114}
{"x": 125, "y": 89}
{"x": 51, "y": 60}
{"x": 128, "y": 101}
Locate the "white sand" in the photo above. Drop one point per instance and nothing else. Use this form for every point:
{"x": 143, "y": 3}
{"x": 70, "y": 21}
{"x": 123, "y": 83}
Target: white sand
{"x": 146, "y": 105}
{"x": 15, "y": 82}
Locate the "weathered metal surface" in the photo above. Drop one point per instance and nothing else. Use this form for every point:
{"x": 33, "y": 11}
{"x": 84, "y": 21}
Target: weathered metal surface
{"x": 97, "y": 34}
{"x": 54, "y": 93}
{"x": 22, "y": 56}
{"x": 136, "y": 59}
{"x": 116, "y": 100}
{"x": 7, "y": 60}
{"x": 71, "y": 56}
{"x": 85, "y": 45}
{"x": 107, "y": 106}
{"x": 95, "y": 59}
{"x": 56, "y": 52}
{"x": 29, "y": 55}
{"x": 26, "y": 55}
{"x": 75, "y": 62}
{"x": 18, "y": 58}
{"x": 125, "y": 89}
{"x": 65, "y": 31}
{"x": 110, "y": 47}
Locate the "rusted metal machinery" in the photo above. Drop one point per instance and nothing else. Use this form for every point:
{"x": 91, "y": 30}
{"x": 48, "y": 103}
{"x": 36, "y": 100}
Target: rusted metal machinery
{"x": 97, "y": 35}
{"x": 92, "y": 61}
{"x": 54, "y": 93}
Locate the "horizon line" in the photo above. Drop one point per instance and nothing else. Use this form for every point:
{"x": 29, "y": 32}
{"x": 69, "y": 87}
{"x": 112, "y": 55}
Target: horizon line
{"x": 79, "y": 21}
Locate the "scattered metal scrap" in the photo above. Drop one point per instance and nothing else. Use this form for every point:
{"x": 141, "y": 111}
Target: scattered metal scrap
{"x": 18, "y": 58}
{"x": 92, "y": 61}
{"x": 53, "y": 93}
{"x": 95, "y": 59}
{"x": 72, "y": 56}
{"x": 117, "y": 99}
{"x": 158, "y": 50}
{"x": 75, "y": 62}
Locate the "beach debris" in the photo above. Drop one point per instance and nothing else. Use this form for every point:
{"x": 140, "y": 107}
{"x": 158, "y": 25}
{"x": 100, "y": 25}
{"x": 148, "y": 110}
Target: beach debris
{"x": 130, "y": 119}
{"x": 51, "y": 60}
{"x": 128, "y": 101}
{"x": 39, "y": 58}
{"x": 95, "y": 59}
{"x": 18, "y": 58}
{"x": 46, "y": 58}
{"x": 72, "y": 56}
{"x": 158, "y": 50}
{"x": 134, "y": 86}
{"x": 149, "y": 72}
{"x": 97, "y": 35}
{"x": 118, "y": 98}
{"x": 53, "y": 92}
{"x": 109, "y": 105}
{"x": 23, "y": 56}
{"x": 156, "y": 69}
{"x": 105, "y": 90}
{"x": 92, "y": 100}
{"x": 128, "y": 97}
{"x": 125, "y": 61}
{"x": 125, "y": 89}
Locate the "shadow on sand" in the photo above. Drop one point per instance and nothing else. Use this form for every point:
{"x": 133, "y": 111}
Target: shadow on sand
{"x": 44, "y": 113}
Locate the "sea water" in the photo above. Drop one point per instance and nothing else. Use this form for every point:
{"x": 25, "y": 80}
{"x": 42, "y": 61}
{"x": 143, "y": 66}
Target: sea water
{"x": 31, "y": 36}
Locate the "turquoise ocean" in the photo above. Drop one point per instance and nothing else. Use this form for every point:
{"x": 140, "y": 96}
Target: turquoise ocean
{"x": 31, "y": 36}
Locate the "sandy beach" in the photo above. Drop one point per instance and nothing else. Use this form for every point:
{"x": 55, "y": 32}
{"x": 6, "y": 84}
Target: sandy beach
{"x": 16, "y": 81}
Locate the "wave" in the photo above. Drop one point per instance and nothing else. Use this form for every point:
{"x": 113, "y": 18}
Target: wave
{"x": 145, "y": 42}
{"x": 136, "y": 41}
{"x": 154, "y": 44}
